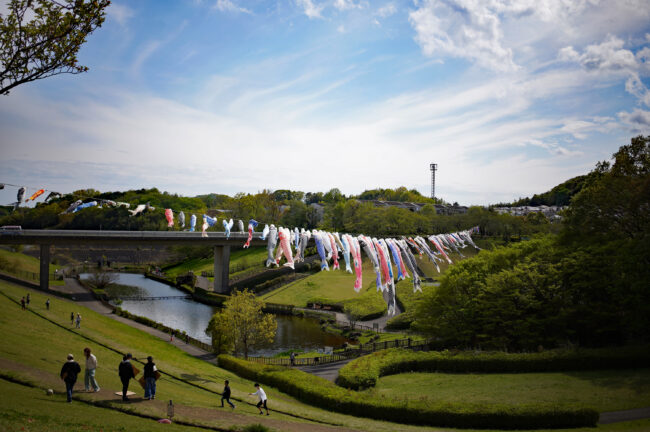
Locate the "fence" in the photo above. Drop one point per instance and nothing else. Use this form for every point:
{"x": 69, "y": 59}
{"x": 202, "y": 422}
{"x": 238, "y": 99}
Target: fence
{"x": 349, "y": 353}
{"x": 22, "y": 274}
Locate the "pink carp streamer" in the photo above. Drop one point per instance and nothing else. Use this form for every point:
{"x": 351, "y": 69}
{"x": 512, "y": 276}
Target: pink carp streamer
{"x": 169, "y": 215}
{"x": 251, "y": 226}
{"x": 284, "y": 238}
{"x": 355, "y": 250}
{"x": 335, "y": 252}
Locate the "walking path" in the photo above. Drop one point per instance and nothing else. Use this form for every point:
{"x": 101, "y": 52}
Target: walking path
{"x": 328, "y": 371}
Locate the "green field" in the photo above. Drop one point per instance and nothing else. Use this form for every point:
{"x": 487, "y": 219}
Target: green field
{"x": 33, "y": 349}
{"x": 605, "y": 390}
{"x": 335, "y": 285}
{"x": 15, "y": 262}
{"x": 239, "y": 259}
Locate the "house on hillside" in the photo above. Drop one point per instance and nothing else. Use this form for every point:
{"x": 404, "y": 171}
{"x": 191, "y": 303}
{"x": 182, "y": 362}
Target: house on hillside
{"x": 416, "y": 207}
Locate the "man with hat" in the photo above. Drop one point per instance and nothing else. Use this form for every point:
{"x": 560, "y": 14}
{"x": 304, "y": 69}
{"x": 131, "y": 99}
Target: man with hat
{"x": 126, "y": 373}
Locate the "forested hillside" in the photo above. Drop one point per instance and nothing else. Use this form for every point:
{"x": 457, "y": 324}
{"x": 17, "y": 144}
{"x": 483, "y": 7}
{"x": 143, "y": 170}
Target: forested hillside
{"x": 586, "y": 286}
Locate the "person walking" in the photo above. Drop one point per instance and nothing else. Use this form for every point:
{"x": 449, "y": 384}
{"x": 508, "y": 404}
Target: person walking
{"x": 126, "y": 373}
{"x": 262, "y": 396}
{"x": 91, "y": 365}
{"x": 71, "y": 318}
{"x": 150, "y": 379}
{"x": 28, "y": 299}
{"x": 47, "y": 304}
{"x": 22, "y": 303}
{"x": 226, "y": 395}
{"x": 78, "y": 321}
{"x": 292, "y": 358}
{"x": 69, "y": 373}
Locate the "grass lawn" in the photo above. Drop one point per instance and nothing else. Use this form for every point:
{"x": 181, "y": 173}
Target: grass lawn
{"x": 28, "y": 409}
{"x": 34, "y": 348}
{"x": 14, "y": 262}
{"x": 240, "y": 259}
{"x": 605, "y": 390}
{"x": 335, "y": 285}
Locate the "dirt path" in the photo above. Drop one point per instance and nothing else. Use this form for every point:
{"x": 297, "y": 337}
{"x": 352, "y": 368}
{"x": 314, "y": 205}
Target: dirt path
{"x": 329, "y": 371}
{"x": 220, "y": 417}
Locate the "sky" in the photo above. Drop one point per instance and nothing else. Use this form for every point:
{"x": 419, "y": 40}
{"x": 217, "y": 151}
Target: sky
{"x": 509, "y": 98}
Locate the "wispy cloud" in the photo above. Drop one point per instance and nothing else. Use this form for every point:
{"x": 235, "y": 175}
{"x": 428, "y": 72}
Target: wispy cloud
{"x": 229, "y": 6}
{"x": 120, "y": 13}
{"x": 311, "y": 9}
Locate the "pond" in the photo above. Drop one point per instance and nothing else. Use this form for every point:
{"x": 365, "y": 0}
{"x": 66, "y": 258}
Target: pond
{"x": 192, "y": 317}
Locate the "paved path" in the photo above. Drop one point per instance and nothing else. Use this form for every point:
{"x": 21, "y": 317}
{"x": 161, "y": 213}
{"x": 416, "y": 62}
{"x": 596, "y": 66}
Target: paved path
{"x": 329, "y": 371}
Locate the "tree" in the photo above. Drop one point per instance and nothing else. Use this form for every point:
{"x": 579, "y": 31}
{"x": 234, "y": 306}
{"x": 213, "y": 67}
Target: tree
{"x": 615, "y": 200}
{"x": 243, "y": 324}
{"x": 47, "y": 44}
{"x": 218, "y": 330}
{"x": 101, "y": 279}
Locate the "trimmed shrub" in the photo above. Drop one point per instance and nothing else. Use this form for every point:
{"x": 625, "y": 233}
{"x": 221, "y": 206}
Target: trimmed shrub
{"x": 363, "y": 372}
{"x": 324, "y": 394}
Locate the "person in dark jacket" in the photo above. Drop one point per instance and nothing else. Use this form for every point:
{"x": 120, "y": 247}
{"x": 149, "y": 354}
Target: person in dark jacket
{"x": 150, "y": 379}
{"x": 226, "y": 395}
{"x": 126, "y": 373}
{"x": 69, "y": 373}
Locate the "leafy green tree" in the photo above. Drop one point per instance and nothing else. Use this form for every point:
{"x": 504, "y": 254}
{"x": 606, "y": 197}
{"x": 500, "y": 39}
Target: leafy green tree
{"x": 47, "y": 44}
{"x": 219, "y": 332}
{"x": 243, "y": 323}
{"x": 615, "y": 202}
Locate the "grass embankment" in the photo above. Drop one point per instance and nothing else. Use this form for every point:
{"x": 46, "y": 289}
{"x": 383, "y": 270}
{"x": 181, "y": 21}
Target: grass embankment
{"x": 29, "y": 409}
{"x": 605, "y": 390}
{"x": 240, "y": 261}
{"x": 335, "y": 288}
{"x": 34, "y": 349}
{"x": 14, "y": 263}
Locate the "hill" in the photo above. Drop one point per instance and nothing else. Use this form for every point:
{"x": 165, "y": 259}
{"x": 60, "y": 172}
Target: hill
{"x": 560, "y": 195}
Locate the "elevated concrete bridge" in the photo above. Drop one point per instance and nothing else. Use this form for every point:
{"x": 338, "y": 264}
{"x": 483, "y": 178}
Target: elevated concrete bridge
{"x": 47, "y": 238}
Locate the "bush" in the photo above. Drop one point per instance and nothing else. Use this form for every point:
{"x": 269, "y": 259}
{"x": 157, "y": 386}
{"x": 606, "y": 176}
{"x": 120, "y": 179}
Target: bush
{"x": 364, "y": 371}
{"x": 400, "y": 322}
{"x": 324, "y": 394}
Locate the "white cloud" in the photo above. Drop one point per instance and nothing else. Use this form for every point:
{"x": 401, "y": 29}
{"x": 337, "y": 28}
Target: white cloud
{"x": 229, "y": 6}
{"x": 608, "y": 56}
{"x": 386, "y": 10}
{"x": 311, "y": 9}
{"x": 464, "y": 29}
{"x": 341, "y": 29}
{"x": 581, "y": 128}
{"x": 347, "y": 4}
{"x": 635, "y": 87}
{"x": 120, "y": 13}
{"x": 638, "y": 120}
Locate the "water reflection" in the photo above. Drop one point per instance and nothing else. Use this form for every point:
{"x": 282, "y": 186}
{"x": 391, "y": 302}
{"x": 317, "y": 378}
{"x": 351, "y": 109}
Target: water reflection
{"x": 193, "y": 318}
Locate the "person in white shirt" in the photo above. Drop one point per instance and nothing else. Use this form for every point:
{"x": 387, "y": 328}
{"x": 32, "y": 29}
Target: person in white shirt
{"x": 91, "y": 365}
{"x": 262, "y": 395}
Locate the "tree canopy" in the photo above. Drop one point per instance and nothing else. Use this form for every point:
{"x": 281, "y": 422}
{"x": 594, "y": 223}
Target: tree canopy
{"x": 242, "y": 325}
{"x": 41, "y": 38}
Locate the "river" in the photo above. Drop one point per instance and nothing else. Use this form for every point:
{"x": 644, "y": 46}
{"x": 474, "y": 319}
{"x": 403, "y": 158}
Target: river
{"x": 192, "y": 317}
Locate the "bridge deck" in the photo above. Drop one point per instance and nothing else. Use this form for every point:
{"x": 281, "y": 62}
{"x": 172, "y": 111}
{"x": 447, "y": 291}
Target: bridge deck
{"x": 60, "y": 237}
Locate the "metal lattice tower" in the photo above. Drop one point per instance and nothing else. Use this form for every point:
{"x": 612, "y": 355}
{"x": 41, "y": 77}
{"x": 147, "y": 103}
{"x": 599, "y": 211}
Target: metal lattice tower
{"x": 434, "y": 168}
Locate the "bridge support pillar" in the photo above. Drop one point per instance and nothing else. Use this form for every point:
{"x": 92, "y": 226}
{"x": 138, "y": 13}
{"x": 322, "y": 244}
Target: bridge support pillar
{"x": 221, "y": 269}
{"x": 44, "y": 275}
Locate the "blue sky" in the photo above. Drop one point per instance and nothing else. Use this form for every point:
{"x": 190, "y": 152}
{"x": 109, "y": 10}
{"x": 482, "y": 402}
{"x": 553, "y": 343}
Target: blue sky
{"x": 509, "y": 97}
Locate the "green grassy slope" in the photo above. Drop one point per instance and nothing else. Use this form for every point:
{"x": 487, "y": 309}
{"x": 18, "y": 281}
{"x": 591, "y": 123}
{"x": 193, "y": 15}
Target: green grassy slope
{"x": 29, "y": 409}
{"x": 605, "y": 390}
{"x": 34, "y": 348}
{"x": 14, "y": 262}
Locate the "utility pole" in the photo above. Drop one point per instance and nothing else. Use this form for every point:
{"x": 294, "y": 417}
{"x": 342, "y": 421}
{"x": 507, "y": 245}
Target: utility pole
{"x": 434, "y": 168}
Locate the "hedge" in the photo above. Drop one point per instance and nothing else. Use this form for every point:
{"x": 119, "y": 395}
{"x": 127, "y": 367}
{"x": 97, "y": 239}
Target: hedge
{"x": 364, "y": 371}
{"x": 326, "y": 395}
